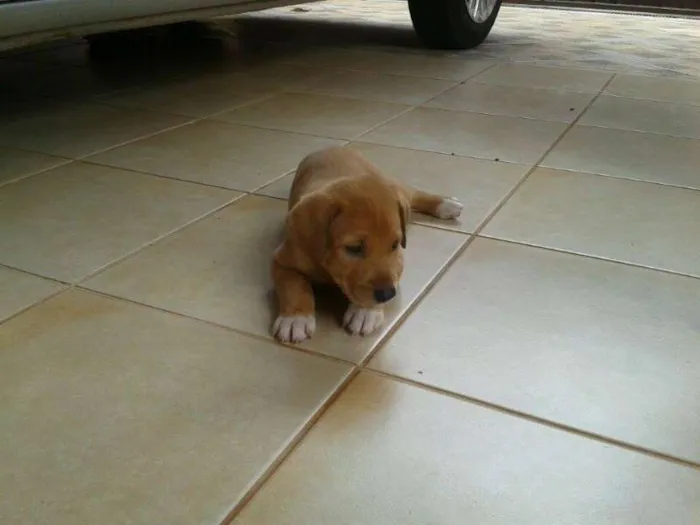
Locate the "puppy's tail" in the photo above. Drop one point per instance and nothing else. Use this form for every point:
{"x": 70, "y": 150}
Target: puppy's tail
{"x": 431, "y": 204}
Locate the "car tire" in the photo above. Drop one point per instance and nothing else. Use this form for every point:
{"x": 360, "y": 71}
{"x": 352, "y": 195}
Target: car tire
{"x": 453, "y": 24}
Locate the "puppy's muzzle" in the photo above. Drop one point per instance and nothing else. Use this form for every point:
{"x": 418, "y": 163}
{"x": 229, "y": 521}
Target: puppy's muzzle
{"x": 383, "y": 295}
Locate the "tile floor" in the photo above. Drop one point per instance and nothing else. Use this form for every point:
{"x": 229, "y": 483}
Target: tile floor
{"x": 540, "y": 366}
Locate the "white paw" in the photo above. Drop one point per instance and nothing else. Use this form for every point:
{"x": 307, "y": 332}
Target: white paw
{"x": 363, "y": 321}
{"x": 294, "y": 328}
{"x": 449, "y": 208}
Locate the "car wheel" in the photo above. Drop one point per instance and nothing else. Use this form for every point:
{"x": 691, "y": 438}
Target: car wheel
{"x": 453, "y": 24}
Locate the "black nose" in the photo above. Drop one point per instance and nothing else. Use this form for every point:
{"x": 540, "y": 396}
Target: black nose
{"x": 382, "y": 295}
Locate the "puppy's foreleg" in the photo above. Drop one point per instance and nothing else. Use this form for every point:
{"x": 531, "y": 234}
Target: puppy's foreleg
{"x": 435, "y": 205}
{"x": 363, "y": 321}
{"x": 296, "y": 321}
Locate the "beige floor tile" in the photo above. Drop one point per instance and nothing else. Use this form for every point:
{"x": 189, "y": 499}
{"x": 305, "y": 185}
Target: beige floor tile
{"x": 529, "y": 76}
{"x": 114, "y": 413}
{"x": 367, "y": 85}
{"x": 336, "y": 117}
{"x": 655, "y": 88}
{"x": 227, "y": 155}
{"x": 483, "y": 136}
{"x": 196, "y": 98}
{"x": 221, "y": 267}
{"x": 19, "y": 290}
{"x": 543, "y": 104}
{"x": 646, "y": 224}
{"x": 628, "y": 154}
{"x": 15, "y": 164}
{"x": 479, "y": 184}
{"x": 74, "y": 131}
{"x": 425, "y": 65}
{"x": 392, "y": 454}
{"x": 329, "y": 57}
{"x": 681, "y": 120}
{"x": 600, "y": 346}
{"x": 69, "y": 222}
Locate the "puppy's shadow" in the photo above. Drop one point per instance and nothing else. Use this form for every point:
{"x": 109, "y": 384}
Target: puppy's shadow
{"x": 331, "y": 301}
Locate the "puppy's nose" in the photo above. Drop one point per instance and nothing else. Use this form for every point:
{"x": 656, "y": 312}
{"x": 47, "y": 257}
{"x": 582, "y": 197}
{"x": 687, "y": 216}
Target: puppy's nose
{"x": 382, "y": 295}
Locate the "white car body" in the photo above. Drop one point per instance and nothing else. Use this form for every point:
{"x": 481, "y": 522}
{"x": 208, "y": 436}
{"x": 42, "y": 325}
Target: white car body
{"x": 28, "y": 22}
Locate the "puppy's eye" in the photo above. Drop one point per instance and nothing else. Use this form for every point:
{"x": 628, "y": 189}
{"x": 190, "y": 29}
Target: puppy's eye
{"x": 355, "y": 250}
{"x": 395, "y": 246}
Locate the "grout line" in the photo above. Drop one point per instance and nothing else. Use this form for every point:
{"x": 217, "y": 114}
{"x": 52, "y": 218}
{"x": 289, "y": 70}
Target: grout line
{"x": 65, "y": 162}
{"x": 170, "y": 178}
{"x": 434, "y": 152}
{"x": 227, "y": 328}
{"x": 504, "y": 201}
{"x": 287, "y": 451}
{"x": 640, "y": 98}
{"x": 536, "y": 419}
{"x": 619, "y": 177}
{"x": 257, "y": 190}
{"x": 141, "y": 137}
{"x": 65, "y": 288}
{"x": 589, "y": 256}
{"x": 642, "y": 132}
{"x": 160, "y": 238}
{"x": 211, "y": 116}
{"x": 474, "y": 112}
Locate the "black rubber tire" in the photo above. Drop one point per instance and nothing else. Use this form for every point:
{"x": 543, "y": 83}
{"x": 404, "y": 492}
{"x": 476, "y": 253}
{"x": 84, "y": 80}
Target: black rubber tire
{"x": 446, "y": 24}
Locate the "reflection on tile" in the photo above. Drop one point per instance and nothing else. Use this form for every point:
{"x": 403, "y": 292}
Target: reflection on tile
{"x": 596, "y": 345}
{"x": 628, "y": 154}
{"x": 112, "y": 412}
{"x": 378, "y": 87}
{"x": 529, "y": 76}
{"x": 15, "y": 164}
{"x": 209, "y": 258}
{"x": 19, "y": 290}
{"x": 681, "y": 120}
{"x": 69, "y": 222}
{"x": 483, "y": 136}
{"x": 74, "y": 131}
{"x": 542, "y": 104}
{"x": 227, "y": 155}
{"x": 646, "y": 224}
{"x": 336, "y": 117}
{"x": 392, "y": 454}
{"x": 655, "y": 88}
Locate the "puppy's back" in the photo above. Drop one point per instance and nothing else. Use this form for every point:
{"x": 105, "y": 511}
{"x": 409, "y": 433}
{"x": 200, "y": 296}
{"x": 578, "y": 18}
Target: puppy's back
{"x": 321, "y": 168}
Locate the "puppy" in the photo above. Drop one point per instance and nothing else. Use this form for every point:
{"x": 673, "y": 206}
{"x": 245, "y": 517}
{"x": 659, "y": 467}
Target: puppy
{"x": 346, "y": 226}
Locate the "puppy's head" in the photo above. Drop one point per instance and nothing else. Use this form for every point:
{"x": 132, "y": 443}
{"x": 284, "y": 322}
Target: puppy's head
{"x": 359, "y": 232}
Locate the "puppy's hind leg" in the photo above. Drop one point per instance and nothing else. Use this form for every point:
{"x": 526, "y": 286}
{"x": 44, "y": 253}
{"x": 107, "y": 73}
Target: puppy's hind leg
{"x": 435, "y": 205}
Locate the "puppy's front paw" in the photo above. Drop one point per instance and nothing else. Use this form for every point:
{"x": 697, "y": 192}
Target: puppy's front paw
{"x": 449, "y": 208}
{"x": 363, "y": 321}
{"x": 294, "y": 328}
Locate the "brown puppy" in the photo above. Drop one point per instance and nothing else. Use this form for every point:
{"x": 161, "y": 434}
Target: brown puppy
{"x": 346, "y": 226}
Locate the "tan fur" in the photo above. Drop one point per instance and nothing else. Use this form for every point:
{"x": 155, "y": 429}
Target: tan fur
{"x": 339, "y": 201}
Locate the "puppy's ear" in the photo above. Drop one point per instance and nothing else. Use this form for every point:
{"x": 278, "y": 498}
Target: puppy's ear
{"x": 405, "y": 217}
{"x": 310, "y": 220}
